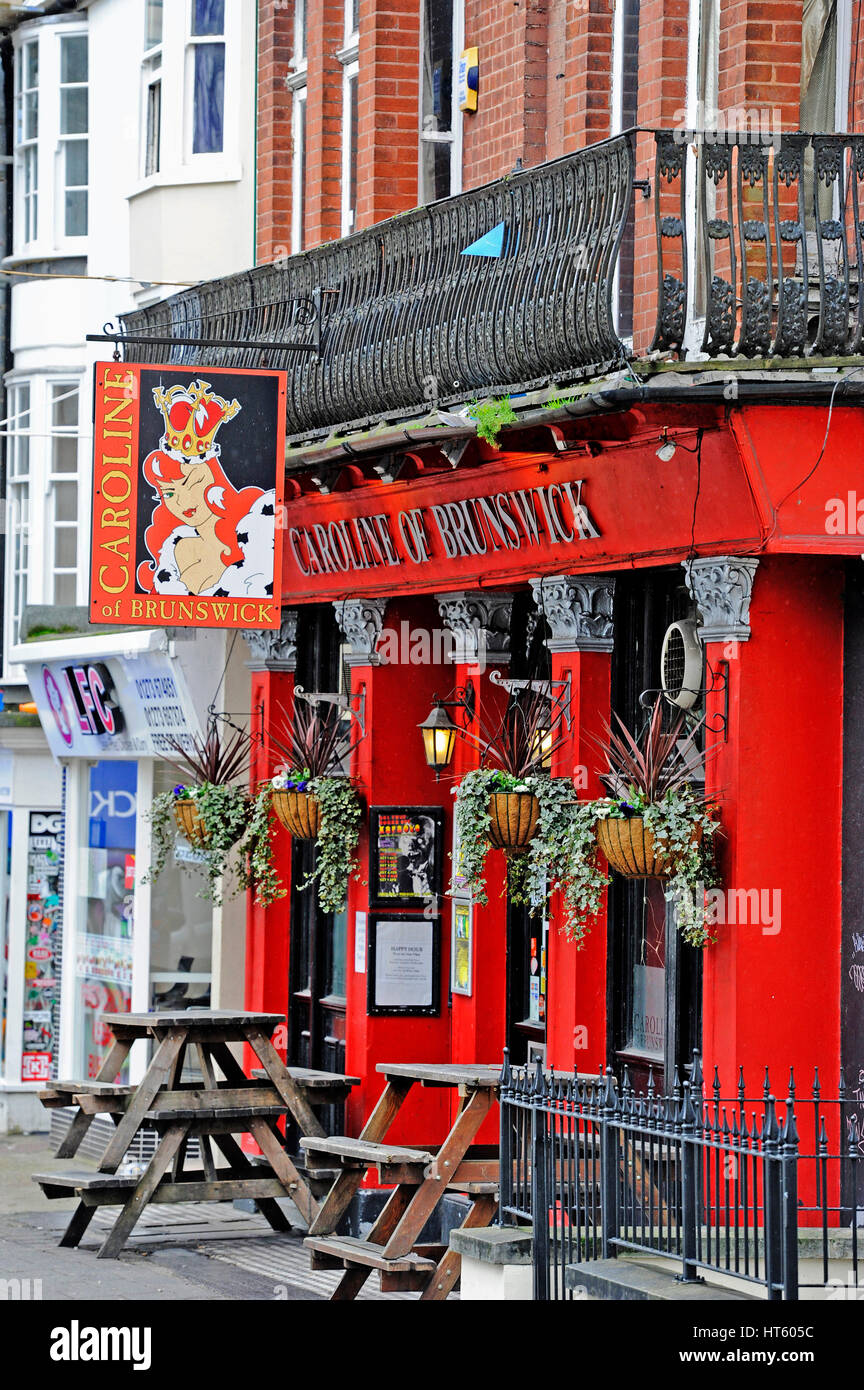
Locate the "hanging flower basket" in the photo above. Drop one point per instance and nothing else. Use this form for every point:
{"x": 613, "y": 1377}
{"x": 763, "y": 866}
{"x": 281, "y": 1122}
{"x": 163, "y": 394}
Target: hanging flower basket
{"x": 189, "y": 822}
{"x": 299, "y": 812}
{"x": 513, "y": 818}
{"x": 630, "y": 848}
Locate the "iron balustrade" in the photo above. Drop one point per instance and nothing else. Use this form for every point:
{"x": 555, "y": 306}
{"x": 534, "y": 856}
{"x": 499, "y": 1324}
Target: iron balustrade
{"x": 398, "y": 319}
{"x": 714, "y": 1183}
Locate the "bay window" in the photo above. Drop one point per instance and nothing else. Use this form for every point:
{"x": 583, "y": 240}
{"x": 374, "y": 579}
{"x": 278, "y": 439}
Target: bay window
{"x": 44, "y": 500}
{"x": 51, "y": 164}
{"x": 190, "y": 90}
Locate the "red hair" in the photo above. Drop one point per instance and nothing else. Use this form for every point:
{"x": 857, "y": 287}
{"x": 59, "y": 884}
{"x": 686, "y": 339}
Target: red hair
{"x": 160, "y": 468}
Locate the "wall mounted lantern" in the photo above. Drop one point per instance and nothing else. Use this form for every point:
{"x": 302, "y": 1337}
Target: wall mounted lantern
{"x": 439, "y": 731}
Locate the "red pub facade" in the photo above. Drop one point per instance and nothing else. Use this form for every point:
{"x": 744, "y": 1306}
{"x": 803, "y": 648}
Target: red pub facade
{"x": 674, "y": 324}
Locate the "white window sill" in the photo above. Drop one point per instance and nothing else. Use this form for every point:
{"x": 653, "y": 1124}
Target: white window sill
{"x": 226, "y": 173}
{"x": 46, "y": 253}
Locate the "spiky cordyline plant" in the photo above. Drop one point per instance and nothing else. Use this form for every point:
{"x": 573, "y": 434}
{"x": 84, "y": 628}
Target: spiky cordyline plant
{"x": 647, "y": 770}
{"x": 238, "y": 847}
{"x": 515, "y": 748}
{"x": 216, "y": 760}
{"x": 311, "y": 745}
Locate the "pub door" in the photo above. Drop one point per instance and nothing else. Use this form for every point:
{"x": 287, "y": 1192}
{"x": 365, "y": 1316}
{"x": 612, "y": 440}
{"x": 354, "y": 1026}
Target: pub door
{"x": 527, "y": 930}
{"x": 317, "y": 955}
{"x": 654, "y": 979}
{"x": 527, "y": 944}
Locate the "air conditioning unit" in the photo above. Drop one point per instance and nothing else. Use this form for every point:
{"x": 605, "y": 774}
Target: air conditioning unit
{"x": 681, "y": 664}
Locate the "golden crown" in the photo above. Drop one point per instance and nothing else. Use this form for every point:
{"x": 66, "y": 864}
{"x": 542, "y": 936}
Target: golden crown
{"x": 192, "y": 416}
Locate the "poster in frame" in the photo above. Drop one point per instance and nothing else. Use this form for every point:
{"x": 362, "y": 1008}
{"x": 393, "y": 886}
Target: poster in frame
{"x": 405, "y": 856}
{"x": 404, "y": 966}
{"x": 461, "y": 947}
{"x": 458, "y": 886}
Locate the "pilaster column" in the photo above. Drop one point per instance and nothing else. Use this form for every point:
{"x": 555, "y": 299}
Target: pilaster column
{"x": 479, "y": 621}
{"x": 361, "y": 621}
{"x": 272, "y": 661}
{"x": 389, "y": 769}
{"x": 578, "y": 610}
{"x": 722, "y": 589}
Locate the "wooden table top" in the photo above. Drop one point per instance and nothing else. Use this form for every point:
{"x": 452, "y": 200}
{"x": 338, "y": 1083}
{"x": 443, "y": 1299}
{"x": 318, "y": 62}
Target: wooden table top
{"x": 194, "y": 1018}
{"x": 476, "y": 1074}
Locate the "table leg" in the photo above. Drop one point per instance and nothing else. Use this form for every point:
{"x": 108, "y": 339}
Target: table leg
{"x": 72, "y": 1139}
{"x": 283, "y": 1167}
{"x": 111, "y": 1064}
{"x": 341, "y": 1194}
{"x": 154, "y": 1079}
{"x": 443, "y": 1280}
{"x": 268, "y": 1206}
{"x": 125, "y": 1223}
{"x": 428, "y": 1194}
{"x": 81, "y": 1218}
{"x": 280, "y": 1159}
{"x": 285, "y": 1084}
{"x": 353, "y": 1279}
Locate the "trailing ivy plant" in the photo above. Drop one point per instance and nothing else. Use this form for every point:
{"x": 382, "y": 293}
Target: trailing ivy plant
{"x": 337, "y": 839}
{"x": 562, "y": 856}
{"x": 652, "y": 779}
{"x": 315, "y": 748}
{"x": 237, "y": 852}
{"x": 491, "y": 417}
{"x": 656, "y": 777}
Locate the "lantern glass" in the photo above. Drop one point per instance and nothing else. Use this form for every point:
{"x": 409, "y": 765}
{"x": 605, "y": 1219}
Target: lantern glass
{"x": 439, "y": 738}
{"x": 541, "y": 748}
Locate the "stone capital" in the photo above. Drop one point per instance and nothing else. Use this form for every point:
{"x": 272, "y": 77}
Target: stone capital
{"x": 275, "y": 651}
{"x": 361, "y": 620}
{"x": 578, "y": 610}
{"x": 479, "y": 620}
{"x": 721, "y": 587}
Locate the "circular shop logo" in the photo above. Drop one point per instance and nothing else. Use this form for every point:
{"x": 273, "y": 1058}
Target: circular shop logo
{"x": 55, "y": 700}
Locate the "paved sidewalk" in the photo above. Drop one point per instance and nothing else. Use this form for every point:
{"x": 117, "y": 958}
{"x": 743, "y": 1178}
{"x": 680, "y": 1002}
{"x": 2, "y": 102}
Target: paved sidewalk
{"x": 192, "y": 1251}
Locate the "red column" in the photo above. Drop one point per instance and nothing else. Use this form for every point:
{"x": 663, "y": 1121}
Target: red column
{"x": 389, "y": 769}
{"x": 578, "y": 612}
{"x": 772, "y": 981}
{"x": 480, "y": 624}
{"x": 268, "y": 929}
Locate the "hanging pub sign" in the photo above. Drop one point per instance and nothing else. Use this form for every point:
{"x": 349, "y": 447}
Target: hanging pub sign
{"x": 188, "y": 479}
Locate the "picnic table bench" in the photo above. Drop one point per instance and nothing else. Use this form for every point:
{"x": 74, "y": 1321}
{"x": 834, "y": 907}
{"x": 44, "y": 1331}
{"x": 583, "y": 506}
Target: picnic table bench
{"x": 214, "y": 1111}
{"x": 421, "y": 1176}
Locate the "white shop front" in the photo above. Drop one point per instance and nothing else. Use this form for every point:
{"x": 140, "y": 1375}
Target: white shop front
{"x": 104, "y": 937}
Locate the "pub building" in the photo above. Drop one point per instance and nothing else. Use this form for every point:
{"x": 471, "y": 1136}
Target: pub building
{"x": 631, "y": 485}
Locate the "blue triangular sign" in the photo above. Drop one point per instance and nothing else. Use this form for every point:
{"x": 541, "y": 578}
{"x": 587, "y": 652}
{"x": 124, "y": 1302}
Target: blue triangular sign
{"x": 490, "y": 244}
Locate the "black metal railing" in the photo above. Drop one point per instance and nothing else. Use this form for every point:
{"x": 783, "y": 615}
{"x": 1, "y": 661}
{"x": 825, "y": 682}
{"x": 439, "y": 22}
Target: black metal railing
{"x": 401, "y": 317}
{"x": 713, "y": 1183}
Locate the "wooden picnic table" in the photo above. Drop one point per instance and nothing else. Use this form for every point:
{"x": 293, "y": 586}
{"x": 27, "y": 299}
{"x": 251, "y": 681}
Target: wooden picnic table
{"x": 421, "y": 1176}
{"x": 213, "y": 1111}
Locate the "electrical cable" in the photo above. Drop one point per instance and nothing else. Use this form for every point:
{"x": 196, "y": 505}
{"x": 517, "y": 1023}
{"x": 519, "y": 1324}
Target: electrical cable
{"x": 111, "y": 279}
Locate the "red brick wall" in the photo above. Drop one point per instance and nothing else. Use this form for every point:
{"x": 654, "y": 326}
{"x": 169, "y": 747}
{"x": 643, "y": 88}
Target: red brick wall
{"x": 325, "y": 35}
{"x": 760, "y": 56}
{"x": 388, "y": 137}
{"x": 273, "y": 213}
{"x": 510, "y": 121}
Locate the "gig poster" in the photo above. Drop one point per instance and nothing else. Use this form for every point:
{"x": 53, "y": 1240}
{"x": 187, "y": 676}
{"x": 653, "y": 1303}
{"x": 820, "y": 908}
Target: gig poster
{"x": 188, "y": 483}
{"x": 405, "y": 846}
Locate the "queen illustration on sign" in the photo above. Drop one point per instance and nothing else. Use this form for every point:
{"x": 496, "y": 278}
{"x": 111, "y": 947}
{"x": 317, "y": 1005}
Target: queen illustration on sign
{"x": 205, "y": 536}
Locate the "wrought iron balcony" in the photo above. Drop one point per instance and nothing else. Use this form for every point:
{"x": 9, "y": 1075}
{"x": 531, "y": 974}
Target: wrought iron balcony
{"x": 405, "y": 316}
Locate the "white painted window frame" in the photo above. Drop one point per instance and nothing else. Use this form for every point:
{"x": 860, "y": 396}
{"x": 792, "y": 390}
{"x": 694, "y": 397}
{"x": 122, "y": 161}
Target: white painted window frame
{"x": 178, "y": 165}
{"x": 50, "y": 239}
{"x": 40, "y": 559}
{"x": 453, "y": 136}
